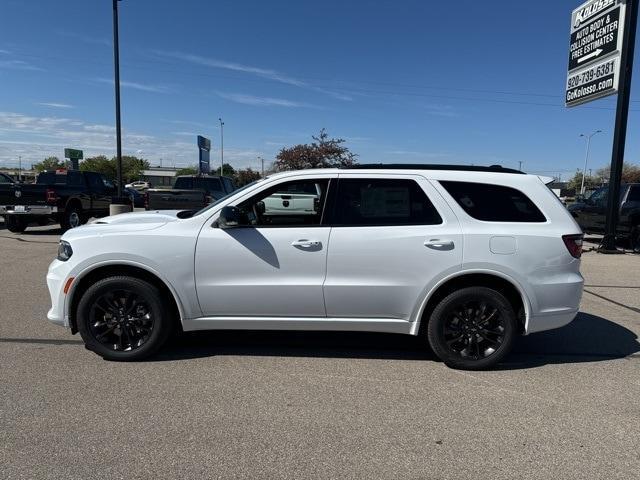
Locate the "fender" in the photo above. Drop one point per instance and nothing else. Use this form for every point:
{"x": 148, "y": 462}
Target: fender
{"x": 130, "y": 263}
{"x": 422, "y": 305}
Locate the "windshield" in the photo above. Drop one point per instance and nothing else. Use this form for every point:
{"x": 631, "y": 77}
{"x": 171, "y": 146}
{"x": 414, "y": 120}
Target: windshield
{"x": 222, "y": 199}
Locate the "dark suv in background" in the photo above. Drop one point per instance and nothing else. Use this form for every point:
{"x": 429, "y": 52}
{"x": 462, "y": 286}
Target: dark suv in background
{"x": 591, "y": 213}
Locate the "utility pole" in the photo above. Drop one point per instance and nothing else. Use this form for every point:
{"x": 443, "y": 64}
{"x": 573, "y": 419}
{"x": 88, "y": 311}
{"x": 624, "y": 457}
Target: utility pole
{"x": 520, "y": 165}
{"x": 19, "y": 168}
{"x": 116, "y": 81}
{"x": 586, "y": 157}
{"x": 221, "y": 145}
{"x": 261, "y": 165}
{"x": 608, "y": 244}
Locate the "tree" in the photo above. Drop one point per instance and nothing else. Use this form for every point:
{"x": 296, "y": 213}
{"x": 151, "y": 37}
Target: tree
{"x": 227, "y": 170}
{"x": 186, "y": 171}
{"x": 245, "y": 176}
{"x": 590, "y": 182}
{"x": 100, "y": 164}
{"x": 132, "y": 167}
{"x": 49, "y": 163}
{"x": 323, "y": 152}
{"x": 630, "y": 173}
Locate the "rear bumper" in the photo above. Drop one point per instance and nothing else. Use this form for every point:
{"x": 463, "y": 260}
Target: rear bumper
{"x": 549, "y": 321}
{"x": 27, "y": 210}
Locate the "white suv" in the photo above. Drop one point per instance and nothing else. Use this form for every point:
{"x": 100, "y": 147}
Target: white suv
{"x": 468, "y": 256}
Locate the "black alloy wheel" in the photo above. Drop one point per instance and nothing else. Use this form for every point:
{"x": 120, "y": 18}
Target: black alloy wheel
{"x": 123, "y": 318}
{"x": 472, "y": 328}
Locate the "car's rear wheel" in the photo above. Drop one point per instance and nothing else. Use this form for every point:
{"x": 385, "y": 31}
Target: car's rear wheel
{"x": 15, "y": 223}
{"x": 472, "y": 328}
{"x": 123, "y": 318}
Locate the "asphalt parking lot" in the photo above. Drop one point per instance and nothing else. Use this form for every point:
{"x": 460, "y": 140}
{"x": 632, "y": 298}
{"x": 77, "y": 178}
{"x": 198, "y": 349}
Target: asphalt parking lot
{"x": 565, "y": 404}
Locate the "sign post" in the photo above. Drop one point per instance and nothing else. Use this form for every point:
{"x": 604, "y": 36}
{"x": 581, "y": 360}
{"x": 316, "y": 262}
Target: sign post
{"x": 204, "y": 146}
{"x": 608, "y": 244}
{"x": 75, "y": 156}
{"x": 603, "y": 34}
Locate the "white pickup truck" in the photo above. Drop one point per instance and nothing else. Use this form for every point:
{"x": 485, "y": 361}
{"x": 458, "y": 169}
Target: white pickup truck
{"x": 298, "y": 199}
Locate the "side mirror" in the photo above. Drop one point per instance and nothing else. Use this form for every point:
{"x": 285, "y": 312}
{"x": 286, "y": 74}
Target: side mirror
{"x": 231, "y": 217}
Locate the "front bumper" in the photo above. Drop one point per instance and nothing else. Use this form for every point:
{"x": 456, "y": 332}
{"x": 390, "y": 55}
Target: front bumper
{"x": 56, "y": 279}
{"x": 27, "y": 210}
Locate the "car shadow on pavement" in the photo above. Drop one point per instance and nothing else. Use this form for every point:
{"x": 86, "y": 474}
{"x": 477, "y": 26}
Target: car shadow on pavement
{"x": 589, "y": 338}
{"x": 294, "y": 344}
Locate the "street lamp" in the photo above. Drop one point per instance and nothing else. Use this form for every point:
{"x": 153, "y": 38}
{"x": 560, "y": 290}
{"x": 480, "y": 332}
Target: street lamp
{"x": 221, "y": 144}
{"x": 586, "y": 157}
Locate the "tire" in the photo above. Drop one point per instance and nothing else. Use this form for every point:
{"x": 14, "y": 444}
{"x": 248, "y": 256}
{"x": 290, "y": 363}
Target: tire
{"x": 71, "y": 218}
{"x": 464, "y": 336}
{"x": 635, "y": 239}
{"x": 15, "y": 224}
{"x": 110, "y": 332}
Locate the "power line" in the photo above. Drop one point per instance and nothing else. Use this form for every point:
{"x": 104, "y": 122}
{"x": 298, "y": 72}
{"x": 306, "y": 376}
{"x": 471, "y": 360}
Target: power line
{"x": 346, "y": 90}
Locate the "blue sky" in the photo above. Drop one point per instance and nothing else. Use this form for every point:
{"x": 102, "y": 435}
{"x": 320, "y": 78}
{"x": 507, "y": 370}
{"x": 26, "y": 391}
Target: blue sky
{"x": 402, "y": 81}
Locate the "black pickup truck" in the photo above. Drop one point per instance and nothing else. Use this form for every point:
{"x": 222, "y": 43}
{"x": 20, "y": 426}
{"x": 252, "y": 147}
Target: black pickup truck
{"x": 189, "y": 192}
{"x": 69, "y": 197}
{"x": 591, "y": 212}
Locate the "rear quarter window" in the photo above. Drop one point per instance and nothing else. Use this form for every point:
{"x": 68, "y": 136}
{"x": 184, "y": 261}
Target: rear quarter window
{"x": 494, "y": 203}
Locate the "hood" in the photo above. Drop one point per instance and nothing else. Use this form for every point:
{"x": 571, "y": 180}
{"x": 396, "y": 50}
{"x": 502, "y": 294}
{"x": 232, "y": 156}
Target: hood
{"x": 124, "y": 222}
{"x": 139, "y": 218}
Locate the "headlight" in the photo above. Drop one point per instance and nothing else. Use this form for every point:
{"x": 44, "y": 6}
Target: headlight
{"x": 64, "y": 251}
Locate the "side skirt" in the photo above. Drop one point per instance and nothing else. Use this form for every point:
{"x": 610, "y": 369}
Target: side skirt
{"x": 384, "y": 325}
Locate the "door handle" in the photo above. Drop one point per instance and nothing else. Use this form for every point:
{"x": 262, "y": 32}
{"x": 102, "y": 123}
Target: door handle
{"x": 437, "y": 244}
{"x": 306, "y": 243}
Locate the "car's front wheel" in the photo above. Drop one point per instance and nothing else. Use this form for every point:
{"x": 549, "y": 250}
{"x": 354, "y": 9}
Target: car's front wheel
{"x": 472, "y": 328}
{"x": 123, "y": 318}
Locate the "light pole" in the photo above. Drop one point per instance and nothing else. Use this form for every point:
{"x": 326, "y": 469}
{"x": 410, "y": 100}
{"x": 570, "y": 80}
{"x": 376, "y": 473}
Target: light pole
{"x": 586, "y": 157}
{"x": 116, "y": 81}
{"x": 19, "y": 168}
{"x": 261, "y": 165}
{"x": 221, "y": 145}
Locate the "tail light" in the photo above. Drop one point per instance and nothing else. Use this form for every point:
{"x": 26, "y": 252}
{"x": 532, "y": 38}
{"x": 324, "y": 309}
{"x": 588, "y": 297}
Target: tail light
{"x": 573, "y": 244}
{"x": 52, "y": 196}
{"x": 146, "y": 200}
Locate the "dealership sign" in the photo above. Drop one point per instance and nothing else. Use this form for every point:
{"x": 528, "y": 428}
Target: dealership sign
{"x": 597, "y": 30}
{"x": 204, "y": 147}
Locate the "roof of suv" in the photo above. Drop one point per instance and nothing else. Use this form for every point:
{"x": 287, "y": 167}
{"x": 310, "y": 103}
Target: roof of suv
{"x": 431, "y": 166}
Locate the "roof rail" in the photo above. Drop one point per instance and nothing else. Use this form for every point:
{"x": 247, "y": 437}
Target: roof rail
{"x": 431, "y": 166}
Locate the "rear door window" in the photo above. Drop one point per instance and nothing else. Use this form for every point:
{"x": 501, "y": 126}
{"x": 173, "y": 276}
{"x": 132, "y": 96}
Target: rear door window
{"x": 184, "y": 183}
{"x": 211, "y": 185}
{"x": 383, "y": 202}
{"x": 494, "y": 203}
{"x": 75, "y": 179}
